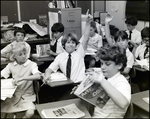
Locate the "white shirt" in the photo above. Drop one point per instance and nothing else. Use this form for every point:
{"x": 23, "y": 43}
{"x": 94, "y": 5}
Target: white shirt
{"x": 130, "y": 58}
{"x": 135, "y": 36}
{"x": 140, "y": 51}
{"x": 77, "y": 64}
{"x": 111, "y": 110}
{"x": 59, "y": 47}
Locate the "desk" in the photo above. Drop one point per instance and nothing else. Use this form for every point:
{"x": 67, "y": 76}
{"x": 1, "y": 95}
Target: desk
{"x": 60, "y": 83}
{"x": 141, "y": 108}
{"x": 77, "y": 101}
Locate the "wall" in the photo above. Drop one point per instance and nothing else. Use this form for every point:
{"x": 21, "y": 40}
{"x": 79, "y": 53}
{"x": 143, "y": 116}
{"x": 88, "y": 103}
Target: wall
{"x": 119, "y": 15}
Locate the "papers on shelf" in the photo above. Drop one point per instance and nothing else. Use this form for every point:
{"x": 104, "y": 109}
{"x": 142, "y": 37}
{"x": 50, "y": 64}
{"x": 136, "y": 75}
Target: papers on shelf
{"x": 57, "y": 77}
{"x": 68, "y": 111}
{"x": 7, "y": 88}
{"x": 146, "y": 99}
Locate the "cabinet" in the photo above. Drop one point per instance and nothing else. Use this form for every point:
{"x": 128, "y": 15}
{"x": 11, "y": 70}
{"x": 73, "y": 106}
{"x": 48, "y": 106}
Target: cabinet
{"x": 69, "y": 17}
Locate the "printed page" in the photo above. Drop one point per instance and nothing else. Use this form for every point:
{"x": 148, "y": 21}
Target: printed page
{"x": 92, "y": 93}
{"x": 69, "y": 111}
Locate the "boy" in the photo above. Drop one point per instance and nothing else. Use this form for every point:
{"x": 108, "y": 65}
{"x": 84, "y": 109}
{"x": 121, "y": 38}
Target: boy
{"x": 142, "y": 51}
{"x": 19, "y": 35}
{"x": 121, "y": 39}
{"x": 57, "y": 34}
{"x": 77, "y": 52}
{"x": 133, "y": 33}
{"x": 113, "y": 61}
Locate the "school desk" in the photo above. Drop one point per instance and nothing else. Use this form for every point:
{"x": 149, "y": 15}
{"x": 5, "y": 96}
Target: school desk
{"x": 141, "y": 108}
{"x": 78, "y": 102}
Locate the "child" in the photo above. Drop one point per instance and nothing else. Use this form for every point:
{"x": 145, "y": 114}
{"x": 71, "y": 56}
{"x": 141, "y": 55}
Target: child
{"x": 23, "y": 71}
{"x": 94, "y": 43}
{"x": 19, "y": 35}
{"x": 142, "y": 51}
{"x": 135, "y": 37}
{"x": 121, "y": 39}
{"x": 57, "y": 34}
{"x": 70, "y": 43}
{"x": 113, "y": 61}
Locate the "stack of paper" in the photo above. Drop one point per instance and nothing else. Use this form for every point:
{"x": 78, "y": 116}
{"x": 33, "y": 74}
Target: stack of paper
{"x": 68, "y": 111}
{"x": 7, "y": 88}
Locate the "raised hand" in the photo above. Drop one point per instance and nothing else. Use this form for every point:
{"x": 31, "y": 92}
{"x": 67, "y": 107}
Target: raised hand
{"x": 108, "y": 18}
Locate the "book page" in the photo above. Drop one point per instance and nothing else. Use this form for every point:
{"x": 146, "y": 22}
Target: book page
{"x": 146, "y": 99}
{"x": 7, "y": 88}
{"x": 68, "y": 111}
{"x": 92, "y": 93}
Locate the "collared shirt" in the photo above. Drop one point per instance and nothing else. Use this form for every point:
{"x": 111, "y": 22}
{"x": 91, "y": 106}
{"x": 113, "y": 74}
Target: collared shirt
{"x": 135, "y": 36}
{"x": 140, "y": 51}
{"x": 7, "y": 50}
{"x": 111, "y": 110}
{"x": 59, "y": 47}
{"x": 130, "y": 58}
{"x": 77, "y": 64}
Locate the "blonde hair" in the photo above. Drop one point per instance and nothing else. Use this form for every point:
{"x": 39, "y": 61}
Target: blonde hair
{"x": 18, "y": 47}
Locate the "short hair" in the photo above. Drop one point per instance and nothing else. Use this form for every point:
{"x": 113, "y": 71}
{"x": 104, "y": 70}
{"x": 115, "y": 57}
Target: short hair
{"x": 121, "y": 34}
{"x": 145, "y": 32}
{"x": 57, "y": 27}
{"x": 113, "y": 53}
{"x": 19, "y": 30}
{"x": 132, "y": 20}
{"x": 18, "y": 47}
{"x": 71, "y": 35}
{"x": 93, "y": 25}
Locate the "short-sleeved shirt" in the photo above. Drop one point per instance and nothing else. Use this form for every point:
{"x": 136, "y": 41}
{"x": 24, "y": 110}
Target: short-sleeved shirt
{"x": 7, "y": 51}
{"x": 136, "y": 36}
{"x": 140, "y": 51}
{"x": 95, "y": 42}
{"x": 24, "y": 95}
{"x": 77, "y": 64}
{"x": 130, "y": 58}
{"x": 111, "y": 110}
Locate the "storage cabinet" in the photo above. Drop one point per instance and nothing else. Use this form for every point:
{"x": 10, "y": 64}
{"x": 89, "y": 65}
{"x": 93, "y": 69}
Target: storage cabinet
{"x": 69, "y": 17}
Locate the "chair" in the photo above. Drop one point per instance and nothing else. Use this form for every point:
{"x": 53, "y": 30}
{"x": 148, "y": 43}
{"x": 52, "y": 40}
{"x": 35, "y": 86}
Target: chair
{"x": 130, "y": 111}
{"x": 36, "y": 90}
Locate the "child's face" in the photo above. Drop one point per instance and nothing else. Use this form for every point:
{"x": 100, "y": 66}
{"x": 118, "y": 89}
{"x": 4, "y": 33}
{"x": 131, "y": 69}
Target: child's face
{"x": 123, "y": 43}
{"x": 19, "y": 36}
{"x": 146, "y": 41}
{"x": 57, "y": 35}
{"x": 21, "y": 57}
{"x": 92, "y": 31}
{"x": 130, "y": 27}
{"x": 109, "y": 68}
{"x": 70, "y": 46}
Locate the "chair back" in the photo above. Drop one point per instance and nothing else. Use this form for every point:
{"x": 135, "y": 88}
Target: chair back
{"x": 130, "y": 111}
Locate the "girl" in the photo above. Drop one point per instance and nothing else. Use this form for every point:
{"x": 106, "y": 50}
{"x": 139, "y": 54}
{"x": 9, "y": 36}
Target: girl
{"x": 19, "y": 35}
{"x": 23, "y": 71}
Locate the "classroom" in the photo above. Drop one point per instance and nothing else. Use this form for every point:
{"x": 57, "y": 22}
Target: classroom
{"x": 74, "y": 59}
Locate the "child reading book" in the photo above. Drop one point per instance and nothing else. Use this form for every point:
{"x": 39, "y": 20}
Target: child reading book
{"x": 113, "y": 61}
{"x": 23, "y": 72}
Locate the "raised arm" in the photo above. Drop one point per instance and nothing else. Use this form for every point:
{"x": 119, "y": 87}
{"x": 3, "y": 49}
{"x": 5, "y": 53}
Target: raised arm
{"x": 107, "y": 29}
{"x": 87, "y": 30}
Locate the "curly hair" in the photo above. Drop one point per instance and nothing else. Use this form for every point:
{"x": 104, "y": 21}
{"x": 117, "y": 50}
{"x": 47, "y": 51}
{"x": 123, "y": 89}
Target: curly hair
{"x": 113, "y": 53}
{"x": 18, "y": 47}
{"x": 68, "y": 36}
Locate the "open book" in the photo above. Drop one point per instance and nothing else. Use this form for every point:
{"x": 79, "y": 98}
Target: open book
{"x": 143, "y": 63}
{"x": 92, "y": 93}
{"x": 7, "y": 88}
{"x": 68, "y": 111}
{"x": 58, "y": 76}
